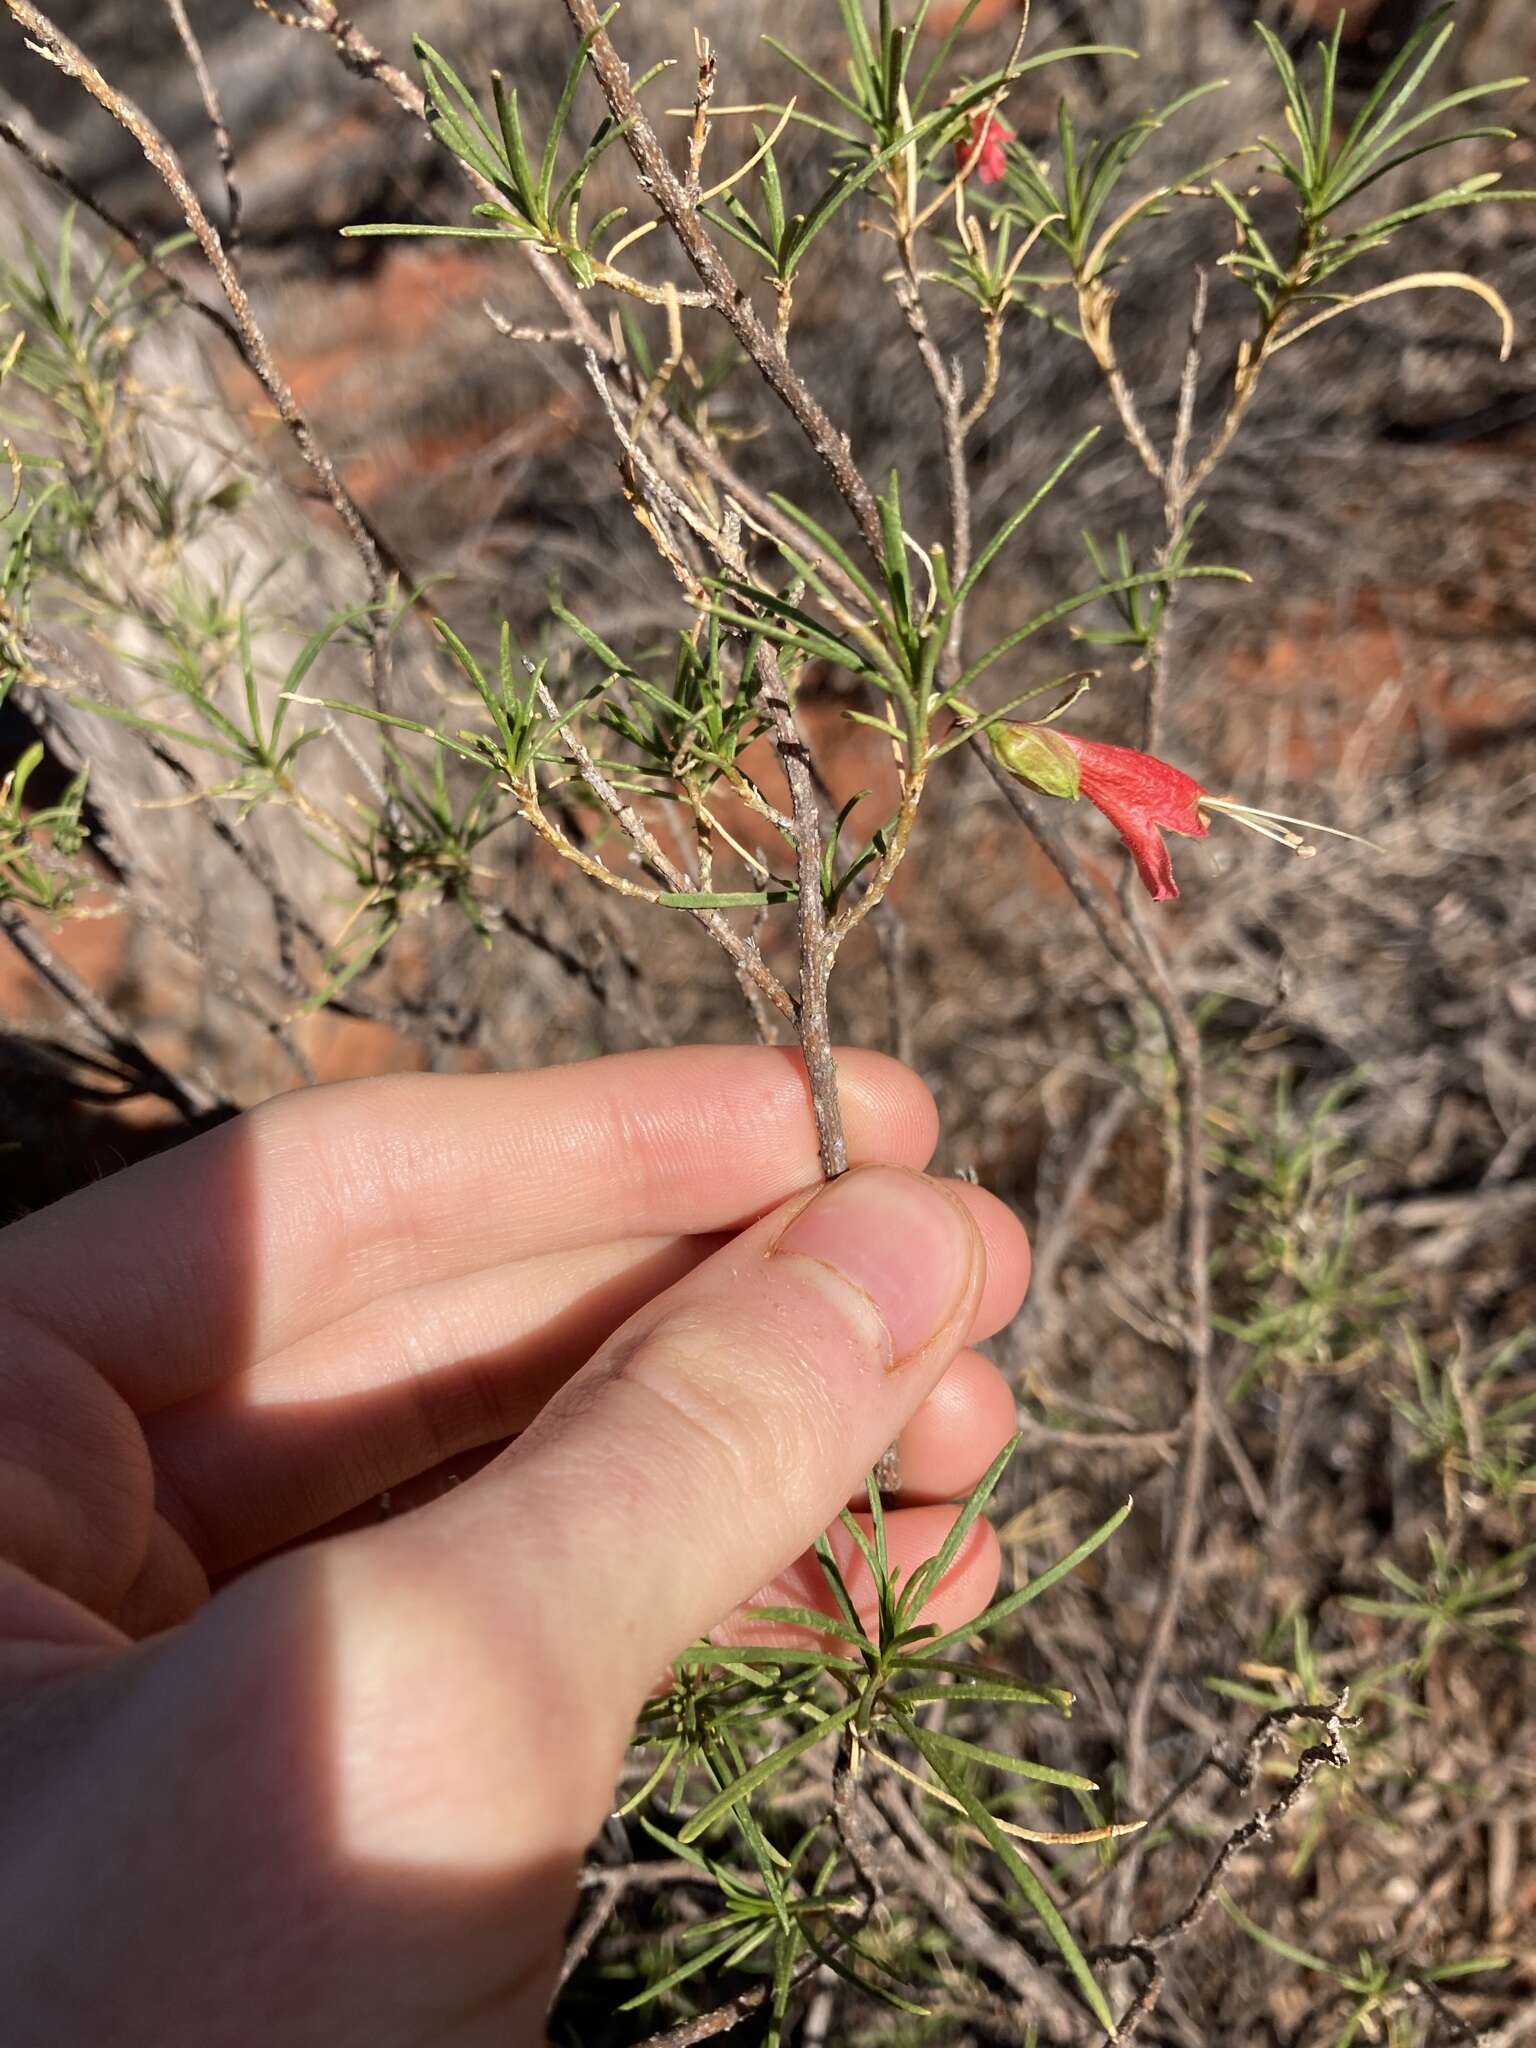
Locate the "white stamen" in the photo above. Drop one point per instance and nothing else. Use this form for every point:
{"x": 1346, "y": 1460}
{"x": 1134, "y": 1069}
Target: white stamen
{"x": 1256, "y": 822}
{"x": 1249, "y": 815}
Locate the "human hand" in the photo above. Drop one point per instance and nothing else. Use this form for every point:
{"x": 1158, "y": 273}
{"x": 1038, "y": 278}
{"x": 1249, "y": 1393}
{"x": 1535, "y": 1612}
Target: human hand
{"x": 345, "y": 1797}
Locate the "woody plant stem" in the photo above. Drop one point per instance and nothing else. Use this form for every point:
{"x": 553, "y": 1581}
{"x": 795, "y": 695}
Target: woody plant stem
{"x": 818, "y": 945}
{"x": 1143, "y": 967}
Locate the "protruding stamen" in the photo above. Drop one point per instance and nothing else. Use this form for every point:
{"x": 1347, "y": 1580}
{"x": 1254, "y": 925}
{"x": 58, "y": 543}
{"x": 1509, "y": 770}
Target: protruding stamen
{"x": 1271, "y": 825}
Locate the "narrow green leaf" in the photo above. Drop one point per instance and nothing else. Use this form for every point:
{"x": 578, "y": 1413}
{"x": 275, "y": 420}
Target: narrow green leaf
{"x": 136, "y": 719}
{"x": 860, "y": 49}
{"x": 920, "y": 1587}
{"x": 1000, "y": 1610}
{"x": 829, "y": 546}
{"x": 742, "y": 228}
{"x": 1016, "y": 1766}
{"x": 441, "y": 73}
{"x": 358, "y": 230}
{"x": 815, "y": 77}
{"x": 1015, "y": 520}
{"x": 897, "y": 573}
{"x": 1330, "y": 86}
{"x": 1372, "y": 115}
{"x": 957, "y": 1682}
{"x": 941, "y": 55}
{"x": 831, "y": 1571}
{"x": 765, "y": 1768}
{"x": 815, "y": 1618}
{"x": 1073, "y": 604}
{"x": 934, "y": 1753}
{"x": 563, "y": 106}
{"x": 726, "y": 899}
{"x": 248, "y": 677}
{"x": 691, "y": 1968}
{"x": 1273, "y": 1942}
{"x": 1296, "y": 100}
{"x": 1393, "y": 163}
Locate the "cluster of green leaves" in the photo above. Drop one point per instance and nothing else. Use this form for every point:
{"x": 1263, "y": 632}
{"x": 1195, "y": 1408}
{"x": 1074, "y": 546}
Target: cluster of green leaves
{"x": 1308, "y": 1300}
{"x": 37, "y": 841}
{"x": 689, "y": 731}
{"x": 1067, "y": 203}
{"x": 84, "y": 469}
{"x": 897, "y": 119}
{"x": 82, "y": 427}
{"x": 1140, "y": 605}
{"x": 1459, "y": 1419}
{"x": 1450, "y": 1601}
{"x": 737, "y": 1720}
{"x": 532, "y": 208}
{"x": 684, "y": 727}
{"x": 257, "y": 746}
{"x": 893, "y": 108}
{"x": 37, "y": 844}
{"x": 1288, "y": 1671}
{"x": 77, "y": 336}
{"x": 897, "y": 638}
{"x": 1376, "y": 1988}
{"x": 900, "y": 126}
{"x": 84, "y": 474}
{"x": 1317, "y": 1309}
{"x": 1452, "y": 1597}
{"x": 685, "y": 730}
{"x": 1070, "y": 203}
{"x": 780, "y": 240}
{"x": 525, "y": 726}
{"x": 1327, "y": 170}
{"x": 418, "y": 845}
{"x": 990, "y": 272}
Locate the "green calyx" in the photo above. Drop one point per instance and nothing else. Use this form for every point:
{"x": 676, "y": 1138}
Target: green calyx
{"x": 1038, "y": 756}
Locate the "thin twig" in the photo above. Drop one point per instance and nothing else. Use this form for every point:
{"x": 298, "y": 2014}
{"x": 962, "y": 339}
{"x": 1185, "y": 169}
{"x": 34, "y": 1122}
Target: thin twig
{"x": 1176, "y": 497}
{"x": 1192, "y": 1257}
{"x": 1054, "y": 1239}
{"x": 729, "y": 299}
{"x": 1095, "y": 301}
{"x": 818, "y": 948}
{"x": 105, "y": 1026}
{"x": 911, "y": 1860}
{"x": 609, "y": 1886}
{"x": 216, "y": 121}
{"x": 1328, "y": 1752}
{"x": 818, "y": 941}
{"x": 743, "y": 952}
{"x": 853, "y": 1817}
{"x": 142, "y": 243}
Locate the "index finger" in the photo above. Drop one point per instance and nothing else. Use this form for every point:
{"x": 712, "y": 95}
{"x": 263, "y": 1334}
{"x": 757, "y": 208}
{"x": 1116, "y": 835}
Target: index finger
{"x": 199, "y": 1263}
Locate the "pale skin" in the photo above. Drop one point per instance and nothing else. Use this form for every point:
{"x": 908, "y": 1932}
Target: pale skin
{"x": 276, "y": 1767}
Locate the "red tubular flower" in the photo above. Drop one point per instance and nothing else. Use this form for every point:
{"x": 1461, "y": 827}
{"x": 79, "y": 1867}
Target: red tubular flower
{"x": 1143, "y": 798}
{"x": 984, "y": 150}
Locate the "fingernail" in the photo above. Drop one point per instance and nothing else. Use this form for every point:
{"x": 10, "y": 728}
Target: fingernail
{"x": 901, "y": 1240}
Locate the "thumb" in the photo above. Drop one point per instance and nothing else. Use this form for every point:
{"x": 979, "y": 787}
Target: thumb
{"x": 720, "y": 1430}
